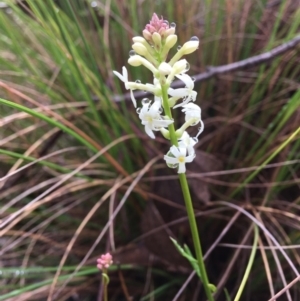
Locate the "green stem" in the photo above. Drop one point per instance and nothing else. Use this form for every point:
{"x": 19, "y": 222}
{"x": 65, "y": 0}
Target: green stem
{"x": 249, "y": 266}
{"x": 168, "y": 112}
{"x": 187, "y": 200}
{"x": 105, "y": 292}
{"x": 105, "y": 279}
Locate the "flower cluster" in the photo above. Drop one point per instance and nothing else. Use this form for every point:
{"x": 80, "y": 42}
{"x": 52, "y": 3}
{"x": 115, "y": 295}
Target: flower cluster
{"x": 151, "y": 51}
{"x": 104, "y": 262}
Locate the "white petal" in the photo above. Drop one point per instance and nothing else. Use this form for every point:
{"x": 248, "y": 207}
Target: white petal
{"x": 157, "y": 105}
{"x": 145, "y": 107}
{"x": 185, "y": 101}
{"x": 201, "y": 128}
{"x": 181, "y": 92}
{"x": 188, "y": 142}
{"x": 182, "y": 151}
{"x": 190, "y": 158}
{"x": 174, "y": 150}
{"x": 191, "y": 151}
{"x": 161, "y": 123}
{"x": 149, "y": 132}
{"x": 120, "y": 76}
{"x": 191, "y": 107}
{"x": 187, "y": 80}
{"x": 181, "y": 168}
{"x": 171, "y": 90}
{"x": 192, "y": 111}
{"x": 158, "y": 102}
{"x": 144, "y": 122}
{"x": 125, "y": 73}
{"x": 154, "y": 109}
{"x": 182, "y": 144}
{"x": 171, "y": 160}
{"x": 193, "y": 95}
{"x": 132, "y": 98}
{"x": 184, "y": 136}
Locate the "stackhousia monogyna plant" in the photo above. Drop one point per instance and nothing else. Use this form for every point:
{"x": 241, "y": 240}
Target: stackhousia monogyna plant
{"x": 152, "y": 51}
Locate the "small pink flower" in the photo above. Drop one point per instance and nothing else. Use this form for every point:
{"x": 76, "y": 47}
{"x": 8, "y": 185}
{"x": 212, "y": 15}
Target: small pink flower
{"x": 105, "y": 261}
{"x": 156, "y": 24}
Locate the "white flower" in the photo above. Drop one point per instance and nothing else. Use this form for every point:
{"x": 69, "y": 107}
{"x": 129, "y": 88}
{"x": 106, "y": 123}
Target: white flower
{"x": 177, "y": 157}
{"x": 124, "y": 78}
{"x": 187, "y": 93}
{"x": 192, "y": 113}
{"x": 151, "y": 118}
{"x": 179, "y": 67}
{"x": 188, "y": 142}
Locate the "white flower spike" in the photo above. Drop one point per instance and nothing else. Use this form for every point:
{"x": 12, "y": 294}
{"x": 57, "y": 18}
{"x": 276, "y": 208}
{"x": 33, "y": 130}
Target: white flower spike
{"x": 151, "y": 118}
{"x": 177, "y": 157}
{"x": 152, "y": 51}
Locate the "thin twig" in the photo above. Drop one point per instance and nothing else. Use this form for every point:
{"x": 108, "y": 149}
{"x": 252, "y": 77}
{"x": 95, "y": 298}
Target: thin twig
{"x": 285, "y": 288}
{"x": 214, "y": 71}
{"x": 250, "y": 62}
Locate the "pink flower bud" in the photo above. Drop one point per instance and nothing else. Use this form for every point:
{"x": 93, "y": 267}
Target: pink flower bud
{"x": 147, "y": 35}
{"x": 169, "y": 31}
{"x": 159, "y": 26}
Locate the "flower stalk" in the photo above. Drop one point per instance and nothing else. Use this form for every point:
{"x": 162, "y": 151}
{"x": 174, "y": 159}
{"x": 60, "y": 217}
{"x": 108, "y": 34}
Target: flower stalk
{"x": 103, "y": 263}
